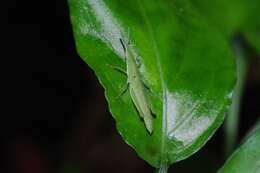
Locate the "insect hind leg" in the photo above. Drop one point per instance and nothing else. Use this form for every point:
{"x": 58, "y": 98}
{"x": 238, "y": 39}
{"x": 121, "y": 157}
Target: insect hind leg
{"x": 124, "y": 89}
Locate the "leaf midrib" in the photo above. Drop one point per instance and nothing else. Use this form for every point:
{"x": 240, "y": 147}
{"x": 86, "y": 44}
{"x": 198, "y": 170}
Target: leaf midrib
{"x": 164, "y": 159}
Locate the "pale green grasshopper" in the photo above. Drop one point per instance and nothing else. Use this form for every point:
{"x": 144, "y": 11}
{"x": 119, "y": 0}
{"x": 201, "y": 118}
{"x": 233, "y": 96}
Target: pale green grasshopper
{"x": 137, "y": 88}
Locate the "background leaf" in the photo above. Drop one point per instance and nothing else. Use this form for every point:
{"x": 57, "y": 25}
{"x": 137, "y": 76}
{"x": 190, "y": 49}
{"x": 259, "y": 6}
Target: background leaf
{"x": 185, "y": 62}
{"x": 247, "y": 157}
{"x": 227, "y": 16}
{"x": 233, "y": 17}
{"x": 251, "y": 27}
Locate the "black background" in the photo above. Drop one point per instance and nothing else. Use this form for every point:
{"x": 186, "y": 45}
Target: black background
{"x": 55, "y": 118}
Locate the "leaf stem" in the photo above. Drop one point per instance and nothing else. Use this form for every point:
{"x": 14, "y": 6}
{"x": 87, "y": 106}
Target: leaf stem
{"x": 163, "y": 169}
{"x": 231, "y": 123}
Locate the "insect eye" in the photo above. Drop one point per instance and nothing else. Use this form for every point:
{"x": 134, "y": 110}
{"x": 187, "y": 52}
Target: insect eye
{"x": 138, "y": 61}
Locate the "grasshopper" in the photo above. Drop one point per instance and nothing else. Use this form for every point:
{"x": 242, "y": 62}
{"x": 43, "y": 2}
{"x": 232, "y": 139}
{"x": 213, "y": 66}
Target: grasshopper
{"x": 137, "y": 88}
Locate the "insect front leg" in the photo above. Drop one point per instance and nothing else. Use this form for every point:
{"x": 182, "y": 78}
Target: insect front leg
{"x": 119, "y": 69}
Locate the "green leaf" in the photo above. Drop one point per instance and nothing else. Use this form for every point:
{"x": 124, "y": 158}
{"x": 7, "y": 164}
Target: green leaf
{"x": 251, "y": 27}
{"x": 227, "y": 16}
{"x": 186, "y": 64}
{"x": 233, "y": 17}
{"x": 246, "y": 159}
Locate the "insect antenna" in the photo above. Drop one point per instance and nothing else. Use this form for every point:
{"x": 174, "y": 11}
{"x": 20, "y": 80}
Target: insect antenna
{"x": 123, "y": 45}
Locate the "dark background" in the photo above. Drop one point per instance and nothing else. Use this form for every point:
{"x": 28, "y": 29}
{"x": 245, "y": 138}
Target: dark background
{"x": 55, "y": 118}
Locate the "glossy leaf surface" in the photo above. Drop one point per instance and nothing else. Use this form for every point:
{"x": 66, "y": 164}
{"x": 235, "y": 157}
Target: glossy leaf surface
{"x": 246, "y": 159}
{"x": 185, "y": 63}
